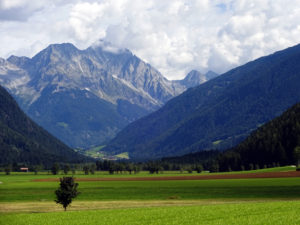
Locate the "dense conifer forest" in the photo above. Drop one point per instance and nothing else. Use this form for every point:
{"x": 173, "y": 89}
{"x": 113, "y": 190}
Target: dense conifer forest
{"x": 23, "y": 141}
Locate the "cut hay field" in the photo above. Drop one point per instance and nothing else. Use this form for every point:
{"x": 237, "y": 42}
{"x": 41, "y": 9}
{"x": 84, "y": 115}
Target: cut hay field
{"x": 23, "y": 200}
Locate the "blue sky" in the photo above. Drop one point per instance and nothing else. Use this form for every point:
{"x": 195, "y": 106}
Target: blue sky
{"x": 175, "y": 36}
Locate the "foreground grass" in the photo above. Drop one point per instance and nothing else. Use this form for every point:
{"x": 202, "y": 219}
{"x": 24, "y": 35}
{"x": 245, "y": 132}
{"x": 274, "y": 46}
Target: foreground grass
{"x": 243, "y": 213}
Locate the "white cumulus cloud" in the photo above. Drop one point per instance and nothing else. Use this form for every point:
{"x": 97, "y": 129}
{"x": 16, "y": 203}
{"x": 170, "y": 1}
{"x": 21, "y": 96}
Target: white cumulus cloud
{"x": 175, "y": 36}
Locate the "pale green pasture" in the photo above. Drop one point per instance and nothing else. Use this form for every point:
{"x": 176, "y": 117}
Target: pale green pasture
{"x": 270, "y": 213}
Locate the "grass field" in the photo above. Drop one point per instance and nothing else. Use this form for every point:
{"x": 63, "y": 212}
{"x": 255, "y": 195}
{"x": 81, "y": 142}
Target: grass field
{"x": 243, "y": 213}
{"x": 94, "y": 152}
{"x": 230, "y": 201}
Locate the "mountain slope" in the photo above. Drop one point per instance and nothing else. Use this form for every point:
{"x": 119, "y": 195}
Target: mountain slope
{"x": 272, "y": 143}
{"x": 84, "y": 97}
{"x": 219, "y": 113}
{"x": 22, "y": 141}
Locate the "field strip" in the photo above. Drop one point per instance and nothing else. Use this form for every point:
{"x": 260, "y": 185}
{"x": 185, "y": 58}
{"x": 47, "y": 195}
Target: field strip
{"x": 186, "y": 177}
{"x": 34, "y": 207}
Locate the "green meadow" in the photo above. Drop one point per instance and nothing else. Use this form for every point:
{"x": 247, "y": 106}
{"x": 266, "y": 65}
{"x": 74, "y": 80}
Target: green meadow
{"x": 223, "y": 201}
{"x": 269, "y": 213}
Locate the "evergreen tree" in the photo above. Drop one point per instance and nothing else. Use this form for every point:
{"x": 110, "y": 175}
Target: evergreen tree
{"x": 37, "y": 168}
{"x": 93, "y": 168}
{"x": 297, "y": 155}
{"x": 55, "y": 169}
{"x": 129, "y": 167}
{"x": 199, "y": 168}
{"x": 8, "y": 169}
{"x": 136, "y": 169}
{"x": 86, "y": 169}
{"x": 66, "y": 168}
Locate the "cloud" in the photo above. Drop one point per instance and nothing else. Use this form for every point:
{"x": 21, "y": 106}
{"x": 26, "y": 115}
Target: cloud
{"x": 19, "y": 10}
{"x": 108, "y": 47}
{"x": 175, "y": 36}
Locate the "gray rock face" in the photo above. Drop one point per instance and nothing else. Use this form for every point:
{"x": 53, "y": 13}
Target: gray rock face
{"x": 195, "y": 78}
{"x": 84, "y": 97}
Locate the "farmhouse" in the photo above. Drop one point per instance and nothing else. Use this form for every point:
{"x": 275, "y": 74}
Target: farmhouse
{"x": 24, "y": 169}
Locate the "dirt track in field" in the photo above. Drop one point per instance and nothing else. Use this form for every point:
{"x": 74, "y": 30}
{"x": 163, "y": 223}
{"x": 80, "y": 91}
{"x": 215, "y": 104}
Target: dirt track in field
{"x": 187, "y": 177}
{"x": 51, "y": 206}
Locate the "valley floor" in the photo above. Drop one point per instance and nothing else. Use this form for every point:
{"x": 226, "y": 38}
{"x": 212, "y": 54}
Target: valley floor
{"x": 213, "y": 201}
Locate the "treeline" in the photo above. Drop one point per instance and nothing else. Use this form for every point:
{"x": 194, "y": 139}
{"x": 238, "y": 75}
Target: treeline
{"x": 112, "y": 167}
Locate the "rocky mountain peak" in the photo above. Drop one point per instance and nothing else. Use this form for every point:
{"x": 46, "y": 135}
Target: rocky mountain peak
{"x": 194, "y": 78}
{"x": 108, "y": 85}
{"x": 18, "y": 61}
{"x": 55, "y": 53}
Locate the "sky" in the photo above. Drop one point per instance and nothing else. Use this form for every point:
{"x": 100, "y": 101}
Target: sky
{"x": 174, "y": 36}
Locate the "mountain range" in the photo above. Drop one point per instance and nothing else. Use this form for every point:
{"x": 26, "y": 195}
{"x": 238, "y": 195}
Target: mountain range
{"x": 23, "y": 141}
{"x": 217, "y": 114}
{"x": 84, "y": 97}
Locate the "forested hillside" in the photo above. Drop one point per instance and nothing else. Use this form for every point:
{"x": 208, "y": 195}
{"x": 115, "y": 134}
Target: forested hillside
{"x": 22, "y": 141}
{"x": 273, "y": 143}
{"x": 219, "y": 113}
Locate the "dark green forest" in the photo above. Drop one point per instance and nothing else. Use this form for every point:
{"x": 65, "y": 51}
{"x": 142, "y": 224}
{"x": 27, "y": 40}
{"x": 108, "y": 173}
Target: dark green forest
{"x": 23, "y": 141}
{"x": 273, "y": 143}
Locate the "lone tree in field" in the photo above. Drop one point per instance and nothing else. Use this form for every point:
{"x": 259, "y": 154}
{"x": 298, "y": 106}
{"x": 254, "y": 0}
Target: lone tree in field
{"x": 66, "y": 192}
